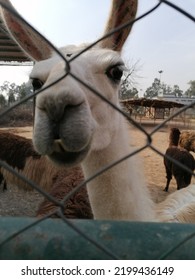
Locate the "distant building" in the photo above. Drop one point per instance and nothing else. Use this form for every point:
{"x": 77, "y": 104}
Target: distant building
{"x": 182, "y": 100}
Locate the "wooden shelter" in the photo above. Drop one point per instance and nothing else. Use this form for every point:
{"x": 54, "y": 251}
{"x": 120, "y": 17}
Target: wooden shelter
{"x": 153, "y": 108}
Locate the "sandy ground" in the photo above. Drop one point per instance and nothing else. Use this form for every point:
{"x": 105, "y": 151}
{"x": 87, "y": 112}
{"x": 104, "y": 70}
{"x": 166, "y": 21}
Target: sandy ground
{"x": 17, "y": 202}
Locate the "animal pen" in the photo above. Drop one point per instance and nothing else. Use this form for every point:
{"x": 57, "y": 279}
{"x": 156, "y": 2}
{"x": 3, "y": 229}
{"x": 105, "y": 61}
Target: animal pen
{"x": 99, "y": 239}
{"x": 146, "y": 110}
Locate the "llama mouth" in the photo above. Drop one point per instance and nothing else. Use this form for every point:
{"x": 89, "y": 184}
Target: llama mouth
{"x": 67, "y": 158}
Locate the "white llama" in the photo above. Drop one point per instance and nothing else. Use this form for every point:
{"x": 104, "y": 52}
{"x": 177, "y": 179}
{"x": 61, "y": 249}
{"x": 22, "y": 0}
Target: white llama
{"x": 73, "y": 125}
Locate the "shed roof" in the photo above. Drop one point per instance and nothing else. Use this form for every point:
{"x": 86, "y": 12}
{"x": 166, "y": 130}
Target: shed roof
{"x": 154, "y": 103}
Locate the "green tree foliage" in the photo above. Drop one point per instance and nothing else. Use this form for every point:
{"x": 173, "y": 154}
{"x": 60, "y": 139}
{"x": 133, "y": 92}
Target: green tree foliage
{"x": 130, "y": 93}
{"x": 11, "y": 92}
{"x": 2, "y": 100}
{"x": 161, "y": 89}
{"x": 153, "y": 90}
{"x": 177, "y": 91}
{"x": 190, "y": 92}
{"x": 22, "y": 91}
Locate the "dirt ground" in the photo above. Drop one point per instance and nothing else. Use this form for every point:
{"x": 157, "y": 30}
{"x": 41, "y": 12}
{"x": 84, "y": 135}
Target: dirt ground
{"x": 17, "y": 202}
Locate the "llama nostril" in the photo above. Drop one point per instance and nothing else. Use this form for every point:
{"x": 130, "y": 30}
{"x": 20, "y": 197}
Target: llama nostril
{"x": 56, "y": 132}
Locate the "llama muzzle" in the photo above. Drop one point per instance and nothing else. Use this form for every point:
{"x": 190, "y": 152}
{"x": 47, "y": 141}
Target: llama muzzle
{"x": 65, "y": 137}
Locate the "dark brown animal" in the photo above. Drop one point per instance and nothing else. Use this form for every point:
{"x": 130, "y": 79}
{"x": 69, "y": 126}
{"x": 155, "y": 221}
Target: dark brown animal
{"x": 182, "y": 177}
{"x": 3, "y": 181}
{"x": 19, "y": 153}
{"x": 14, "y": 149}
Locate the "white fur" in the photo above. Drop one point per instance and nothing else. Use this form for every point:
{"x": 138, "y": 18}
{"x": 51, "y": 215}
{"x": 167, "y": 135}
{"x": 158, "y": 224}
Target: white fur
{"x": 178, "y": 206}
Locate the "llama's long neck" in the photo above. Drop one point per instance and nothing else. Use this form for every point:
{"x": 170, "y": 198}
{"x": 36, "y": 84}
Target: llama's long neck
{"x": 119, "y": 193}
{"x": 174, "y": 138}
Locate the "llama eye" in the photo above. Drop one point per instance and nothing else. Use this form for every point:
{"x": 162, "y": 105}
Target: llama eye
{"x": 115, "y": 73}
{"x": 37, "y": 84}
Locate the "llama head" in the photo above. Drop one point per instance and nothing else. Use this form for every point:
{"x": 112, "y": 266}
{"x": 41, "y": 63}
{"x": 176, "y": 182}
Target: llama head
{"x": 70, "y": 120}
{"x": 174, "y": 136}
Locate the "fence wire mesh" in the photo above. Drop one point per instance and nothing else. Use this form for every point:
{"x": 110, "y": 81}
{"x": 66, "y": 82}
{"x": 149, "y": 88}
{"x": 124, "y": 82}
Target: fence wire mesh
{"x": 148, "y": 143}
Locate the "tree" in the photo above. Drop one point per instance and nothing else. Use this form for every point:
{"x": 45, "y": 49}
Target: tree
{"x": 191, "y": 90}
{"x": 162, "y": 89}
{"x": 22, "y": 91}
{"x": 5, "y": 87}
{"x": 2, "y": 100}
{"x": 9, "y": 89}
{"x": 153, "y": 90}
{"x": 130, "y": 93}
{"x": 14, "y": 92}
{"x": 177, "y": 91}
{"x": 167, "y": 90}
{"x": 128, "y": 83}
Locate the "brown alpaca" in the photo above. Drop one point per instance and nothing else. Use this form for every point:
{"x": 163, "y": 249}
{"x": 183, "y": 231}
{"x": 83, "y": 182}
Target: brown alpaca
{"x": 187, "y": 140}
{"x": 20, "y": 154}
{"x": 182, "y": 177}
{"x": 77, "y": 207}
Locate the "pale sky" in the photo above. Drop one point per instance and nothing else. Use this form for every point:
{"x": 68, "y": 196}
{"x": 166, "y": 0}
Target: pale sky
{"x": 165, "y": 40}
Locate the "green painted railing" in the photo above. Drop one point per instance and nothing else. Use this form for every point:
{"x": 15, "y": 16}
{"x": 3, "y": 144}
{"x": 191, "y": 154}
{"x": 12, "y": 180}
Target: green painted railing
{"x": 54, "y": 239}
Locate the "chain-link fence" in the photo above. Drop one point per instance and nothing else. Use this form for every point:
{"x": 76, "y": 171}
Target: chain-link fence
{"x": 44, "y": 238}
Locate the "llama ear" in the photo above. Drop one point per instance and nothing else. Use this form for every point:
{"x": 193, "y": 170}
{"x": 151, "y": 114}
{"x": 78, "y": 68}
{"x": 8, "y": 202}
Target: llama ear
{"x": 32, "y": 44}
{"x": 122, "y": 11}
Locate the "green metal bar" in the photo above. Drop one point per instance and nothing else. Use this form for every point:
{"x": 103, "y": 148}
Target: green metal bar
{"x": 54, "y": 239}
